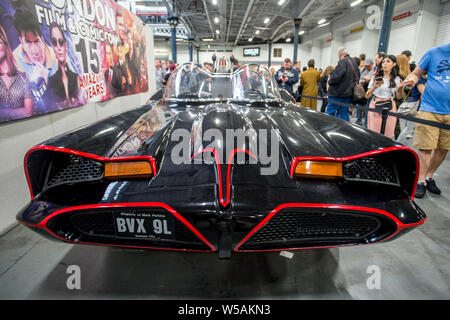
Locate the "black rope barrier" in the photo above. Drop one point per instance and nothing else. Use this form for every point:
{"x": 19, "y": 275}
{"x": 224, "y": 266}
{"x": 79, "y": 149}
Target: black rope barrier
{"x": 384, "y": 114}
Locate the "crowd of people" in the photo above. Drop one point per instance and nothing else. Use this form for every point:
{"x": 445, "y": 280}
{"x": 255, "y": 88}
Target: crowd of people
{"x": 164, "y": 69}
{"x": 385, "y": 82}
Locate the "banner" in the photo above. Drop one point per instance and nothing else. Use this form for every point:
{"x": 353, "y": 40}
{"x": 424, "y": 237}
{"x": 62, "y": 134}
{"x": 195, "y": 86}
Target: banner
{"x": 59, "y": 54}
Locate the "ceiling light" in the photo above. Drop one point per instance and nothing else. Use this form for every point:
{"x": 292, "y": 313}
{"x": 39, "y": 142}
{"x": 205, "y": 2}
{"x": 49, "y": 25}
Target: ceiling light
{"x": 355, "y": 3}
{"x": 217, "y": 31}
{"x": 250, "y": 39}
{"x": 322, "y": 21}
{"x": 288, "y": 39}
{"x": 280, "y": 3}
{"x": 207, "y": 39}
{"x": 257, "y": 32}
{"x": 323, "y": 25}
{"x": 301, "y": 32}
{"x": 216, "y": 19}
{"x": 214, "y": 2}
{"x": 266, "y": 20}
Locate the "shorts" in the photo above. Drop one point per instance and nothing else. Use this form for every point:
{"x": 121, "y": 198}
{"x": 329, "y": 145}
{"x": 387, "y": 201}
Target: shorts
{"x": 430, "y": 138}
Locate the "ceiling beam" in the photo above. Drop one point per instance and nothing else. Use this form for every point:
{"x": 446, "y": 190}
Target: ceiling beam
{"x": 299, "y": 11}
{"x": 273, "y": 39}
{"x": 244, "y": 21}
{"x": 229, "y": 22}
{"x": 277, "y": 15}
{"x": 169, "y": 7}
{"x": 209, "y": 20}
{"x": 189, "y": 27}
{"x": 222, "y": 17}
{"x": 301, "y": 7}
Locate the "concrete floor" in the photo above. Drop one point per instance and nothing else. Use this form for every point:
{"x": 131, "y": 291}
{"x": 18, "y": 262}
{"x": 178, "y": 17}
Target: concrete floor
{"x": 416, "y": 266}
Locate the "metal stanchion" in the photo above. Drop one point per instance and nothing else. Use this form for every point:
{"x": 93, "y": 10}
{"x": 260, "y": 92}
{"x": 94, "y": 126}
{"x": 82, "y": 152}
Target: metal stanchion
{"x": 384, "y": 117}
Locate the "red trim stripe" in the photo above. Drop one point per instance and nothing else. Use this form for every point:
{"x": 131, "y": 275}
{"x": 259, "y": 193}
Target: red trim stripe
{"x": 400, "y": 225}
{"x": 43, "y": 223}
{"x": 224, "y": 202}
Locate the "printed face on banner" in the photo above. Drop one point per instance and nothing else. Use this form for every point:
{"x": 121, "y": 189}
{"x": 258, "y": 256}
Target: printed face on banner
{"x": 59, "y": 54}
{"x": 33, "y": 45}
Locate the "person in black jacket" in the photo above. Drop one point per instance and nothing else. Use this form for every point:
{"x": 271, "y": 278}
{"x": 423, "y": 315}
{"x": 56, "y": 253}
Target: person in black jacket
{"x": 341, "y": 84}
{"x": 62, "y": 87}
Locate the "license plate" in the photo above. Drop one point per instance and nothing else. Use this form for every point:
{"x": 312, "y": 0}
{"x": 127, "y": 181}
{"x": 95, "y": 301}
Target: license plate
{"x": 144, "y": 225}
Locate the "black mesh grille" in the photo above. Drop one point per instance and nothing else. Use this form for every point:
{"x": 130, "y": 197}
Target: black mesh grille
{"x": 379, "y": 169}
{"x": 291, "y": 226}
{"x": 69, "y": 168}
{"x": 102, "y": 224}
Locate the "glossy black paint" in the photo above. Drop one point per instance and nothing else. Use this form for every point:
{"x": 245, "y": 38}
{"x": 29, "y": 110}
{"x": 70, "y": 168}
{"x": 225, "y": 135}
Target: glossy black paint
{"x": 193, "y": 189}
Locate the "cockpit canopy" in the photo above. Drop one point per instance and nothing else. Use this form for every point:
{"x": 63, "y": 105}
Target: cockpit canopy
{"x": 250, "y": 82}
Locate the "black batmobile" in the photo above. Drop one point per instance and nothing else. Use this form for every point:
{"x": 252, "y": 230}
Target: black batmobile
{"x": 222, "y": 162}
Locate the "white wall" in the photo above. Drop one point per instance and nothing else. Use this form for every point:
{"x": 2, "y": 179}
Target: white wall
{"x": 17, "y": 137}
{"x": 427, "y": 25}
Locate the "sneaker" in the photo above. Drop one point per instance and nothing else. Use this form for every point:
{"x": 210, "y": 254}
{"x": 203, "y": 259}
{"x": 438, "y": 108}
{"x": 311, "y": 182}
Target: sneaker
{"x": 431, "y": 186}
{"x": 420, "y": 190}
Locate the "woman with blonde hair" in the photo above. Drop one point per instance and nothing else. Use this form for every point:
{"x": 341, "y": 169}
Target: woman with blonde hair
{"x": 16, "y": 99}
{"x": 403, "y": 66}
{"x": 323, "y": 87}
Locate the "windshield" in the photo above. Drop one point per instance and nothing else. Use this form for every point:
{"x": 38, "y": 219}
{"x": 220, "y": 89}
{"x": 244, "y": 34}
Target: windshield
{"x": 250, "y": 82}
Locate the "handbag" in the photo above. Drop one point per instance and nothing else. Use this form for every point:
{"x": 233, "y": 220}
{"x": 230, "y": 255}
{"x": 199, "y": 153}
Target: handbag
{"x": 358, "y": 91}
{"x": 383, "y": 104}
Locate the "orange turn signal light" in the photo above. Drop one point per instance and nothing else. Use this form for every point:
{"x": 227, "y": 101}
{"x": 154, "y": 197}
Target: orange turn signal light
{"x": 319, "y": 169}
{"x": 132, "y": 169}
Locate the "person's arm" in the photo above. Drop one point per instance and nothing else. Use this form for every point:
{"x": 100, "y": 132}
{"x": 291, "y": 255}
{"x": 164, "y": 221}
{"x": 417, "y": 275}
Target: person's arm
{"x": 400, "y": 90}
{"x": 294, "y": 79}
{"x": 414, "y": 77}
{"x": 277, "y": 77}
{"x": 372, "y": 86}
{"x": 18, "y": 113}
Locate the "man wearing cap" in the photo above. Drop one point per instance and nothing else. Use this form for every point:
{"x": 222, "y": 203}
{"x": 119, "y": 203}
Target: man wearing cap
{"x": 366, "y": 74}
{"x": 287, "y": 76}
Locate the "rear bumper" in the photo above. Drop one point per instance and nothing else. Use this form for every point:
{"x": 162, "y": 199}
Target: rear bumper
{"x": 290, "y": 226}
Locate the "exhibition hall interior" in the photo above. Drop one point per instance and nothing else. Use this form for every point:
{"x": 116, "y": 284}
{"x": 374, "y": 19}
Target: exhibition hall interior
{"x": 225, "y": 149}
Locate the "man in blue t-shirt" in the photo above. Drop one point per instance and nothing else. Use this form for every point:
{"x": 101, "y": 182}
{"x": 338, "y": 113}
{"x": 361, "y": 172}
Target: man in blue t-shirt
{"x": 433, "y": 143}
